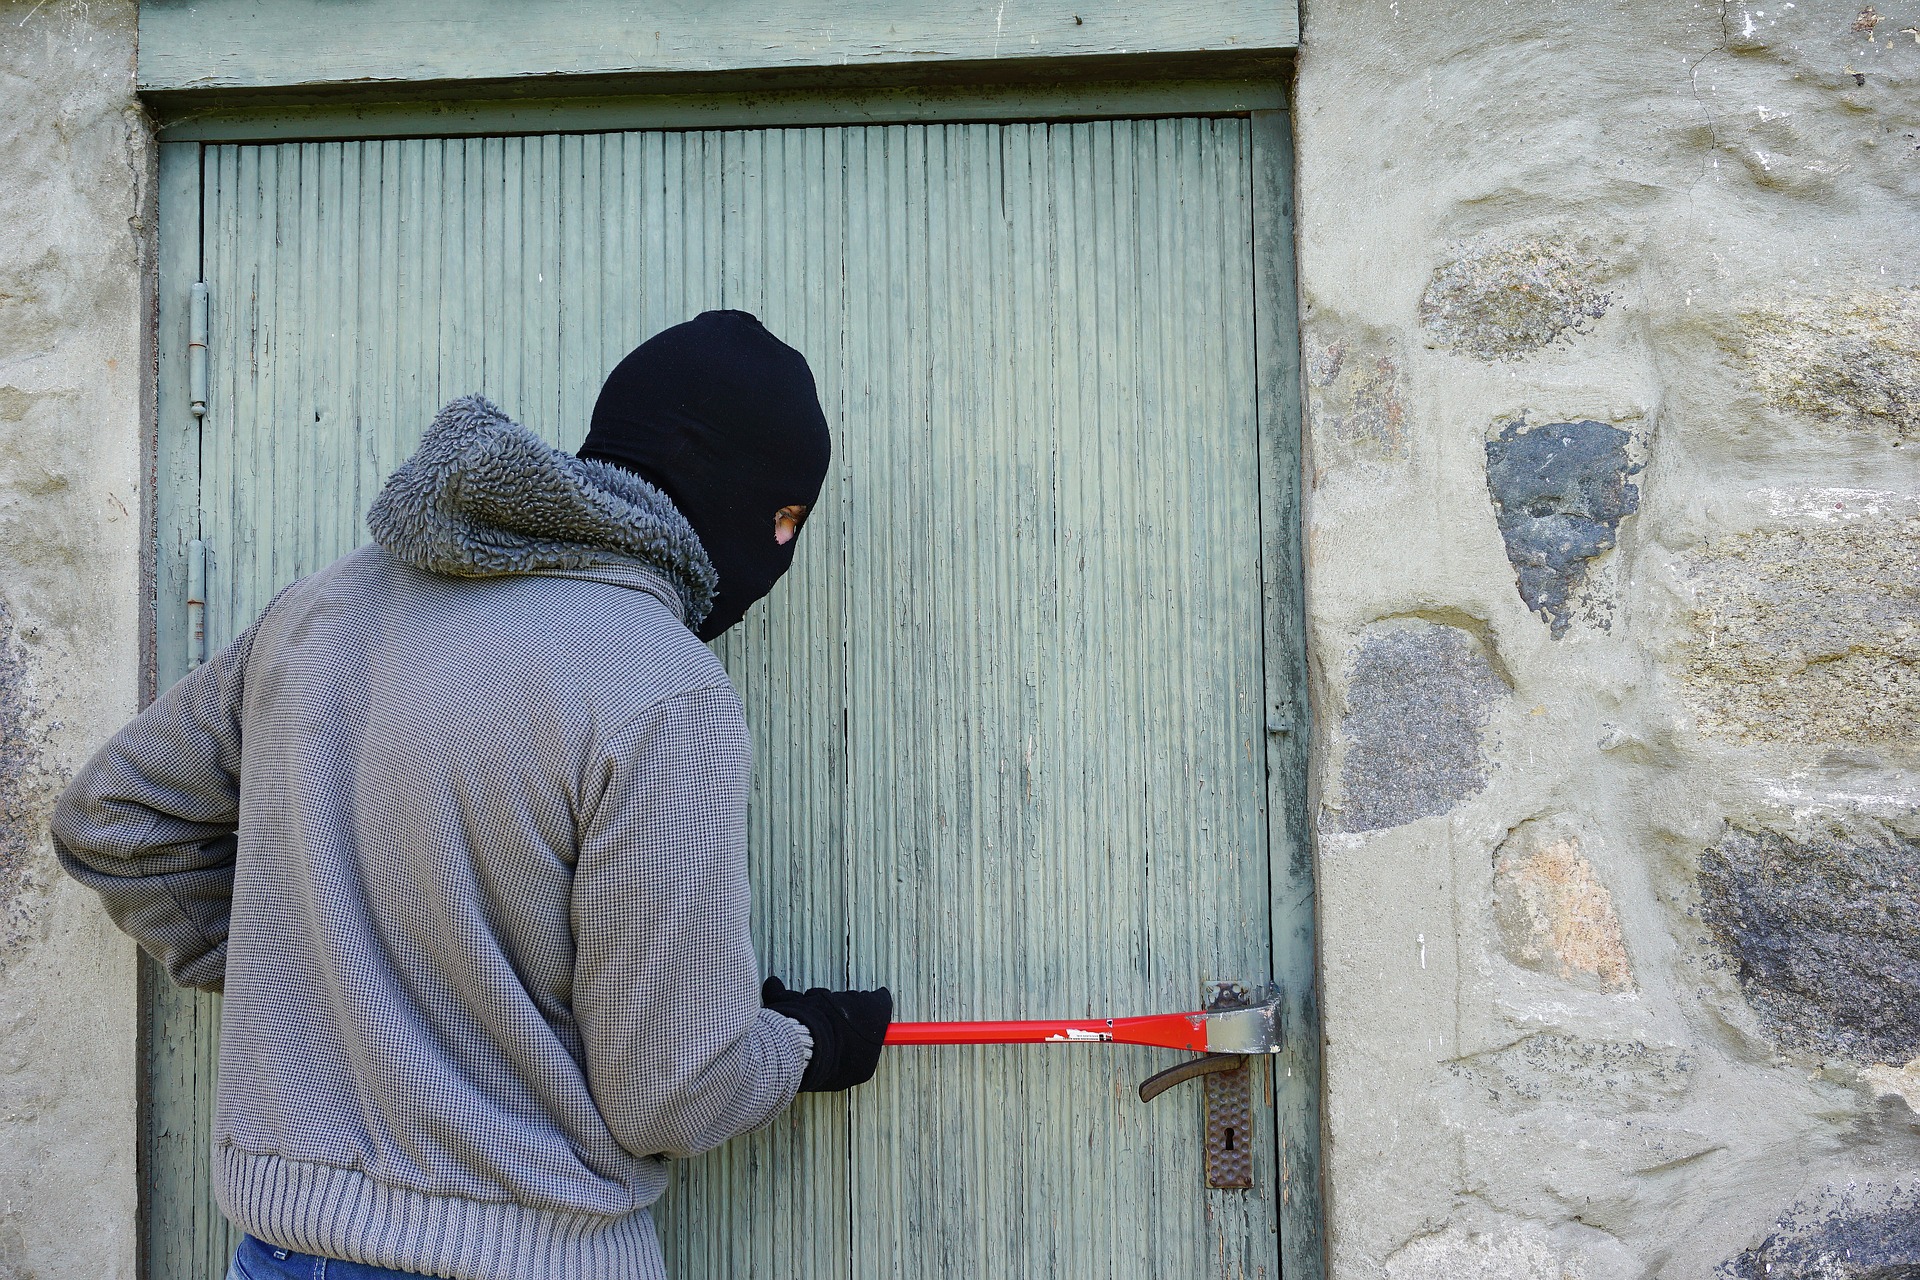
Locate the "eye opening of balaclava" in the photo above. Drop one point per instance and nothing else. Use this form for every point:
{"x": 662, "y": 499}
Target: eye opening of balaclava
{"x": 724, "y": 418}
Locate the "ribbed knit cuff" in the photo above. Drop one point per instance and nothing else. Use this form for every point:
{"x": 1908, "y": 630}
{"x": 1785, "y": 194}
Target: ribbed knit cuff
{"x": 342, "y": 1213}
{"x": 806, "y": 1038}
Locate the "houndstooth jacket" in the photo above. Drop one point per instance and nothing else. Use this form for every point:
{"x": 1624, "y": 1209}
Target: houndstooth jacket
{"x": 458, "y": 825}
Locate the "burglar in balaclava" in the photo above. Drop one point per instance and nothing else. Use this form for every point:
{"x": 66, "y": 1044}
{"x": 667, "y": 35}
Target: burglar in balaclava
{"x": 459, "y": 827}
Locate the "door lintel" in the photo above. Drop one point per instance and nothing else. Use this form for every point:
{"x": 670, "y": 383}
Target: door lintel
{"x": 1130, "y": 88}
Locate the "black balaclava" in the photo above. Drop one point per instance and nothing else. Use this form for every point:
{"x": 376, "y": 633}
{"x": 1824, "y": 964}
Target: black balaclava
{"x": 723, "y": 417}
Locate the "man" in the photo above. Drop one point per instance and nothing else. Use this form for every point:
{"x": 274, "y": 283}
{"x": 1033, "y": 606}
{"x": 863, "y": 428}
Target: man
{"x": 459, "y": 827}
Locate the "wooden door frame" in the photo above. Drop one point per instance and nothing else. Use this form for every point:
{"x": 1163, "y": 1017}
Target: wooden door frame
{"x": 174, "y": 462}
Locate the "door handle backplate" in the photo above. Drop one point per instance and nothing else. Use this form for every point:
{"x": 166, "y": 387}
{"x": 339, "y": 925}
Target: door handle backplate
{"x": 1229, "y": 1094}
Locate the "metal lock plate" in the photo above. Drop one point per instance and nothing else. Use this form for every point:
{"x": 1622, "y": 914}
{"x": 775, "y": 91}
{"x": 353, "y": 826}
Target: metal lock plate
{"x": 1230, "y": 1105}
{"x": 1230, "y": 1127}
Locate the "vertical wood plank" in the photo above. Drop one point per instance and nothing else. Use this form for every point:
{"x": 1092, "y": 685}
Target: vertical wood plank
{"x": 177, "y": 432}
{"x": 171, "y": 1125}
{"x": 1288, "y": 714}
{"x": 773, "y": 1203}
{"x": 1058, "y": 626}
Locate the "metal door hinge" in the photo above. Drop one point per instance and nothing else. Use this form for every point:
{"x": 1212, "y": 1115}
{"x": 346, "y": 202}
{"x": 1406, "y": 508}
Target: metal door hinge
{"x": 197, "y": 350}
{"x": 196, "y": 603}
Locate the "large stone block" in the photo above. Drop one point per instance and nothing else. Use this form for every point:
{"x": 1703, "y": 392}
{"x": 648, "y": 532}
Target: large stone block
{"x": 1576, "y": 1074}
{"x": 1357, "y": 394}
{"x": 1419, "y": 696}
{"x": 1809, "y": 634}
{"x": 1554, "y": 914}
{"x": 25, "y": 792}
{"x": 1895, "y": 1082}
{"x": 1453, "y": 1254}
{"x": 1853, "y": 361}
{"x": 1499, "y": 299}
{"x": 1850, "y": 1233}
{"x": 1560, "y": 491}
{"x": 1824, "y": 934}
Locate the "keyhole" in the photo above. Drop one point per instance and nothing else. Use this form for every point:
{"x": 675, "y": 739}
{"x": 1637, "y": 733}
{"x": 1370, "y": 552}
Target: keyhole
{"x": 1229, "y": 1139}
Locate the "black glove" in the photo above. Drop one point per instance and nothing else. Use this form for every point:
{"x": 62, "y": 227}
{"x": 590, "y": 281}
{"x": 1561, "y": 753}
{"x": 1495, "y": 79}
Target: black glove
{"x": 848, "y": 1028}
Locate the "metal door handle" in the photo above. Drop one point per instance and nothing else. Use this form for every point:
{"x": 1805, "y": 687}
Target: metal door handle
{"x": 1212, "y": 1064}
{"x": 1229, "y": 1082}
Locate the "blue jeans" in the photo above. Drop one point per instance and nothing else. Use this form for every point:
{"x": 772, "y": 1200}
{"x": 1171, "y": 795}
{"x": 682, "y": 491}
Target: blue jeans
{"x": 258, "y": 1260}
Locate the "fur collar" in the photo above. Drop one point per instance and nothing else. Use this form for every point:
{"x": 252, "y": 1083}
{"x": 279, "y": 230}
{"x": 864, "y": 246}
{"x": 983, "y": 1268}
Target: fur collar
{"x": 484, "y": 496}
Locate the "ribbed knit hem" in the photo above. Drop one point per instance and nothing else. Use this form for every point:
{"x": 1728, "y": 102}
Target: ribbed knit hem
{"x": 342, "y": 1213}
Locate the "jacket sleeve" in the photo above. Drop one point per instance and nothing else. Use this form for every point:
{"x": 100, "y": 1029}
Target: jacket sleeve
{"x": 149, "y": 822}
{"x": 680, "y": 1054}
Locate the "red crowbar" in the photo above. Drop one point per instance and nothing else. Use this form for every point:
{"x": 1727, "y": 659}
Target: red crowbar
{"x": 1255, "y": 1029}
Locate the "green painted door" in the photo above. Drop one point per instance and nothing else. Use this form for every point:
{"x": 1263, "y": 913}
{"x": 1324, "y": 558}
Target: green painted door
{"x": 1020, "y": 713}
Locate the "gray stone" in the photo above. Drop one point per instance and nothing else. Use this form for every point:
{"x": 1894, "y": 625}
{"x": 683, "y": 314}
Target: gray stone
{"x": 1574, "y": 1073}
{"x": 1559, "y": 493}
{"x": 1825, "y": 936}
{"x": 1843, "y": 1234}
{"x": 1418, "y": 700}
{"x": 1553, "y": 912}
{"x": 1516, "y": 1251}
{"x": 75, "y": 271}
{"x": 1358, "y": 395}
{"x": 1809, "y": 634}
{"x": 1499, "y": 300}
{"x": 24, "y": 802}
{"x": 1852, "y": 361}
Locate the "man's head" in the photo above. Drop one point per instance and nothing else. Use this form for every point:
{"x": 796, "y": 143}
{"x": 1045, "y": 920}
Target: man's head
{"x": 724, "y": 418}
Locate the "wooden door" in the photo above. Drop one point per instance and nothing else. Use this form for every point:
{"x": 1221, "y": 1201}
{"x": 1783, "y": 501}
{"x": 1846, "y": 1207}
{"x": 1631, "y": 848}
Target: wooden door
{"x": 1020, "y": 713}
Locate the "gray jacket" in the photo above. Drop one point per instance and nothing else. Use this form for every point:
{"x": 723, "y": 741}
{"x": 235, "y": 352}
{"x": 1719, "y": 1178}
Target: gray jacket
{"x": 459, "y": 825}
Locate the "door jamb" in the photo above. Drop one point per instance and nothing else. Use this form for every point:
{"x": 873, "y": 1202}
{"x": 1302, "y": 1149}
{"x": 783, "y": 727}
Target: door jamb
{"x": 1289, "y": 722}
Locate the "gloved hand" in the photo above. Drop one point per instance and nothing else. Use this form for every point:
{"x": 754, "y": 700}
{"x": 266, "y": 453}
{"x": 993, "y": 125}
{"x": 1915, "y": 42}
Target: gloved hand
{"x": 848, "y": 1029}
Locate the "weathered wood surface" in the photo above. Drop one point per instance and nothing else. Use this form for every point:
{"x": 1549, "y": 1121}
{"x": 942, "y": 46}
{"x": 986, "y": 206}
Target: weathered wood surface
{"x": 1296, "y": 1076}
{"x": 252, "y": 44}
{"x": 181, "y": 1232}
{"x": 176, "y": 442}
{"x": 759, "y": 109}
{"x": 1009, "y": 711}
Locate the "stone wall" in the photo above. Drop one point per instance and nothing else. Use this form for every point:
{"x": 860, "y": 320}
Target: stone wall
{"x": 76, "y": 240}
{"x": 1612, "y": 328}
